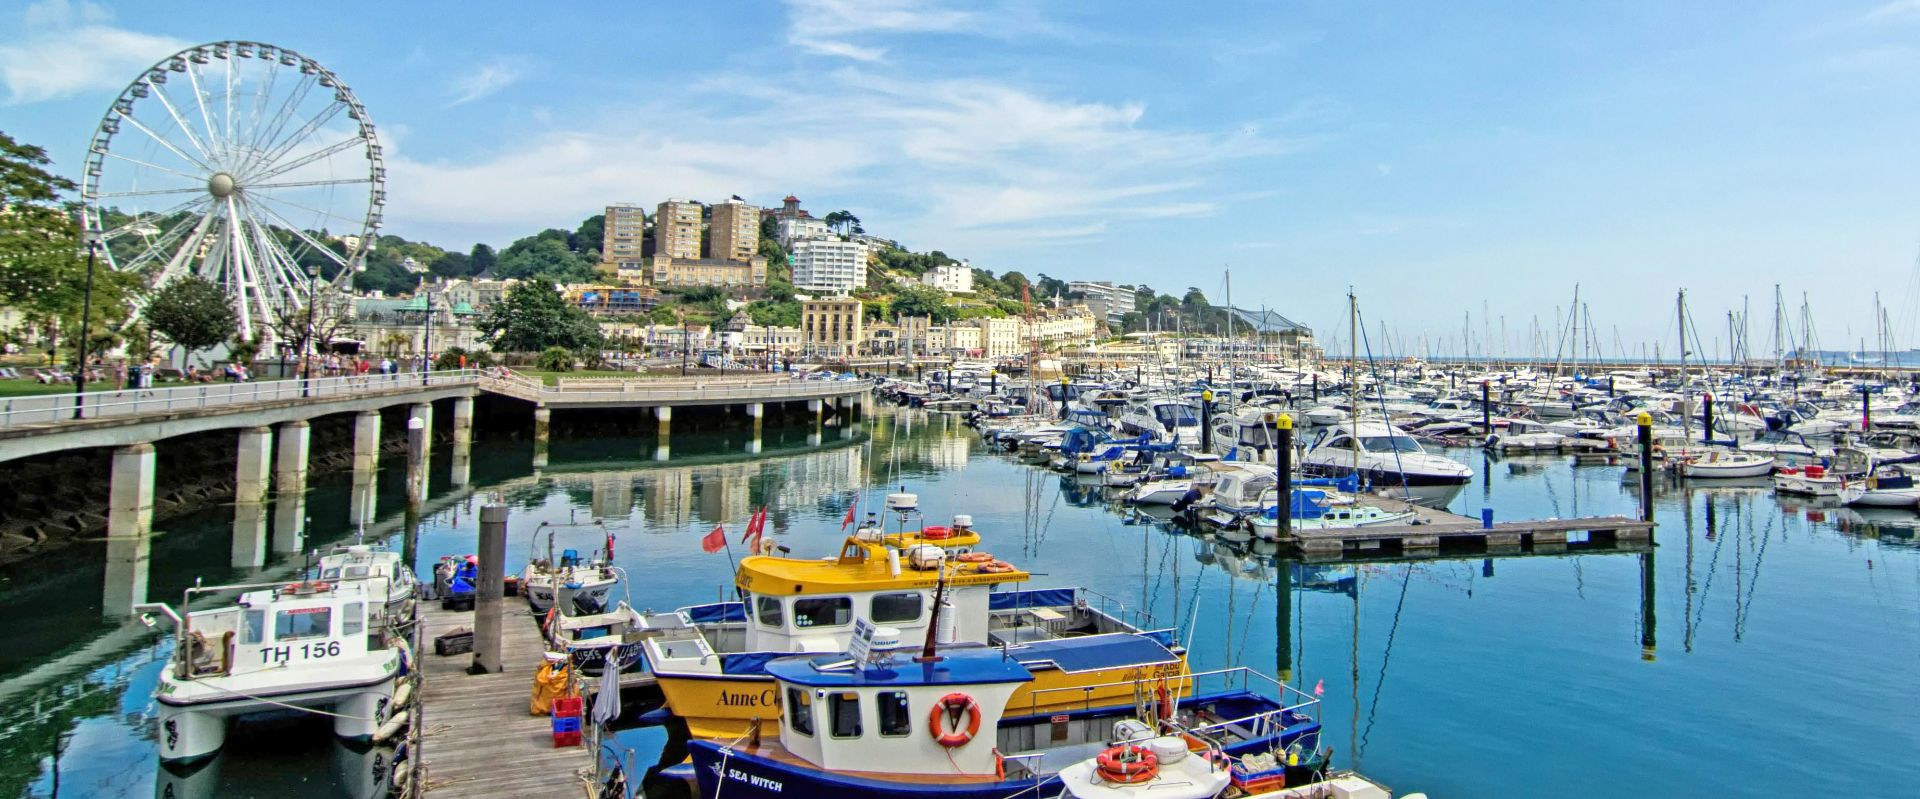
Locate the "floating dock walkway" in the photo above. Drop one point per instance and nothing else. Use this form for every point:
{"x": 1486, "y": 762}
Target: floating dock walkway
{"x": 1437, "y": 532}
{"x": 479, "y": 741}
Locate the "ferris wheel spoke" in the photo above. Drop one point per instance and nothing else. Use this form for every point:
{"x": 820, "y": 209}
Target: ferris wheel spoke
{"x": 285, "y": 114}
{"x": 266, "y": 199}
{"x": 185, "y": 129}
{"x": 194, "y": 178}
{"x": 149, "y": 193}
{"x": 146, "y": 219}
{"x": 200, "y": 101}
{"x": 283, "y": 168}
{"x": 281, "y": 148}
{"x": 254, "y": 119}
{"x": 161, "y": 244}
{"x": 164, "y": 142}
{"x": 187, "y": 251}
{"x": 296, "y": 230}
{"x": 307, "y": 183}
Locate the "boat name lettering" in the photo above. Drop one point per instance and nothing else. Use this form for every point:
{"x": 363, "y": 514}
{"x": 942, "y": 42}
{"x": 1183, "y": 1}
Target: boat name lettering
{"x": 765, "y": 698}
{"x": 754, "y": 780}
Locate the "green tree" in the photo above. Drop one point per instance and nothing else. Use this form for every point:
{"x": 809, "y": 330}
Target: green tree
{"x": 533, "y": 316}
{"x": 543, "y": 257}
{"x": 43, "y": 268}
{"x": 555, "y": 359}
{"x": 775, "y": 313}
{"x": 452, "y": 265}
{"x": 1014, "y": 281}
{"x": 922, "y": 301}
{"x": 481, "y": 259}
{"x": 590, "y": 234}
{"x": 192, "y": 312}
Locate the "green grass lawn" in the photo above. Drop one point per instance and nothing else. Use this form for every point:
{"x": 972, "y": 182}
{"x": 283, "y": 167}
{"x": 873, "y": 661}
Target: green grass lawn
{"x": 550, "y": 377}
{"x": 33, "y": 388}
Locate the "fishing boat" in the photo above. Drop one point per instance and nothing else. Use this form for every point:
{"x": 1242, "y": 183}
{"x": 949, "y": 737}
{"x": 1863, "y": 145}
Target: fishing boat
{"x": 965, "y": 722}
{"x": 1885, "y": 487}
{"x": 385, "y": 572}
{"x": 592, "y": 640}
{"x": 710, "y": 660}
{"x": 582, "y": 585}
{"x": 309, "y": 644}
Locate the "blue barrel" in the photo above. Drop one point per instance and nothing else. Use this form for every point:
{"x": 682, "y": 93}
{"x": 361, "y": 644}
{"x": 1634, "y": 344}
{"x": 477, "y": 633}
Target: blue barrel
{"x": 1486, "y": 518}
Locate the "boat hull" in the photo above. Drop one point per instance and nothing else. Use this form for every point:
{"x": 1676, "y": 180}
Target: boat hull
{"x": 190, "y": 731}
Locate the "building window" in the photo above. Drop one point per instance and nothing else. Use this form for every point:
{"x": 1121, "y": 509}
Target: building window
{"x": 800, "y": 711}
{"x": 895, "y": 721}
{"x": 843, "y": 709}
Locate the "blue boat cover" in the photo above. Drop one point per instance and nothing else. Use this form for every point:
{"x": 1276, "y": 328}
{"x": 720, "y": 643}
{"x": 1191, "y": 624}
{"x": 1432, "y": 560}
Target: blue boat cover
{"x": 717, "y": 612}
{"x": 748, "y": 662}
{"x": 1095, "y": 652}
{"x": 1039, "y": 598}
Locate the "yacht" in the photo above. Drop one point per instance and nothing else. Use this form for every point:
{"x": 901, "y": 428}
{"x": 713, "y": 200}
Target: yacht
{"x": 309, "y": 644}
{"x": 1164, "y": 418}
{"x": 1383, "y": 455}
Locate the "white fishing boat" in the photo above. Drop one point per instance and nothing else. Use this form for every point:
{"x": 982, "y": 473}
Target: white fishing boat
{"x": 594, "y": 640}
{"x": 385, "y": 571}
{"x": 581, "y": 585}
{"x": 310, "y": 644}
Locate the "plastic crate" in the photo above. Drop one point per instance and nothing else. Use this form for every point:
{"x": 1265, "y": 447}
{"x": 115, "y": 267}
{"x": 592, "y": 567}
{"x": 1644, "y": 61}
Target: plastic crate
{"x": 566, "y": 724}
{"x": 565, "y": 739}
{"x": 568, "y": 706}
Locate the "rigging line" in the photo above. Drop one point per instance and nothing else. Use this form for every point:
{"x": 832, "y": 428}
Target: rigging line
{"x": 1379, "y": 682}
{"x": 1247, "y": 635}
{"x": 1760, "y": 555}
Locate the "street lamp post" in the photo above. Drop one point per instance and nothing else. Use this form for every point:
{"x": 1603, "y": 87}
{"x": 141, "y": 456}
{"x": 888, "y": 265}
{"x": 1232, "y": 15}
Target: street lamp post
{"x": 86, "y": 321}
{"x": 426, "y": 337}
{"x": 307, "y": 349}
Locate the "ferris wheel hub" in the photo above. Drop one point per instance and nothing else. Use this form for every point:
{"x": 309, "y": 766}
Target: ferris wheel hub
{"x": 221, "y": 185}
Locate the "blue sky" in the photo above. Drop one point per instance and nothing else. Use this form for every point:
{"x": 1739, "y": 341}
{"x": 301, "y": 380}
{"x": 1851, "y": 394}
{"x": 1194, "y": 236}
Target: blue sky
{"x": 1441, "y": 158}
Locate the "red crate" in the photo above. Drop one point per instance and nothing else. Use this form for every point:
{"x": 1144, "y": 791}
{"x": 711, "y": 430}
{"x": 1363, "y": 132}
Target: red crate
{"x": 568, "y": 706}
{"x": 565, "y": 739}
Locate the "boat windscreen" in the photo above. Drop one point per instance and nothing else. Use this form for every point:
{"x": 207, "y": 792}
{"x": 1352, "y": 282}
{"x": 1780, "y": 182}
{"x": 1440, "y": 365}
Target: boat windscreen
{"x": 1390, "y": 444}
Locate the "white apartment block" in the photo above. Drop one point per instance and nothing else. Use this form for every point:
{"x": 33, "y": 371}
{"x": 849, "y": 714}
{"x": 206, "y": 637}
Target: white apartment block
{"x": 1107, "y": 301}
{"x": 950, "y": 278}
{"x": 800, "y": 228}
{"x": 828, "y": 265}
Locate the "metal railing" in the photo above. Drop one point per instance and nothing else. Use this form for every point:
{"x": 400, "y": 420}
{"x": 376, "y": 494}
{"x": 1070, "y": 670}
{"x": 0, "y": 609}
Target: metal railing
{"x": 55, "y": 408}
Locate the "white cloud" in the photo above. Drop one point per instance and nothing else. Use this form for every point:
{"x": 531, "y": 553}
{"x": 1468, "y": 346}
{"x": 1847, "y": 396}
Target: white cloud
{"x": 1892, "y": 11}
{"x": 61, "y": 49}
{"x": 485, "y": 81}
{"x": 824, "y": 27}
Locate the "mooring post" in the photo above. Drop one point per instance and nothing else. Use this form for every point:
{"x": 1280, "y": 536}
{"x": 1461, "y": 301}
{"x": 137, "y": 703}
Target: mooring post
{"x": 1706, "y": 418}
{"x": 1316, "y": 387}
{"x": 1063, "y": 396}
{"x": 1647, "y": 607}
{"x": 542, "y": 424}
{"x": 487, "y": 593}
{"x": 1283, "y": 471}
{"x": 1866, "y": 411}
{"x": 1206, "y": 420}
{"x": 1486, "y": 411}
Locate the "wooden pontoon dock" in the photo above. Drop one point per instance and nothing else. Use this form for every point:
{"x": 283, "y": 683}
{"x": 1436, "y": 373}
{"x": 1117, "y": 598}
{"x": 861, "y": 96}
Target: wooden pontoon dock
{"x": 1433, "y": 531}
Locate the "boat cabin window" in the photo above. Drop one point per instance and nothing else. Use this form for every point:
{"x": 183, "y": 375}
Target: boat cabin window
{"x": 1390, "y": 444}
{"x": 253, "y": 626}
{"x": 823, "y": 611}
{"x": 768, "y": 609}
{"x": 890, "y": 608}
{"x": 353, "y": 619}
{"x": 843, "y": 710}
{"x": 800, "y": 711}
{"x": 1340, "y": 442}
{"x": 292, "y": 625}
{"x": 895, "y": 722}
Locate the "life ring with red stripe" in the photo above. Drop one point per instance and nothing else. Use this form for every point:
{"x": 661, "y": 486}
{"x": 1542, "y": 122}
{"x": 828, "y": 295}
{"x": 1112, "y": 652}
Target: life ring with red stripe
{"x": 974, "y": 557}
{"x": 1127, "y": 764}
{"x": 996, "y": 567}
{"x": 946, "y": 716}
{"x": 936, "y": 532}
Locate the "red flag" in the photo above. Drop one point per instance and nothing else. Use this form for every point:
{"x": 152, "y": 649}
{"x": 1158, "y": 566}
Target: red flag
{"x": 716, "y": 540}
{"x": 755, "y": 524}
{"x": 849, "y": 520}
{"x": 1320, "y": 688}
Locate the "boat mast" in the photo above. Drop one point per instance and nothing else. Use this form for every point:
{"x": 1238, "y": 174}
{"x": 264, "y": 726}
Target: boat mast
{"x": 1686, "y": 405}
{"x": 1353, "y": 386}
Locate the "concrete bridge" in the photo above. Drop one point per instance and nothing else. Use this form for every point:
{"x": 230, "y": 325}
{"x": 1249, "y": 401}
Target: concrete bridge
{"x": 274, "y": 434}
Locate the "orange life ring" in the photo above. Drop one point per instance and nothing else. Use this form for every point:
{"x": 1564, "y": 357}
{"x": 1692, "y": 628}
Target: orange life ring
{"x": 936, "y": 532}
{"x": 950, "y": 706}
{"x": 1127, "y": 764}
{"x": 996, "y": 567}
{"x": 974, "y": 557}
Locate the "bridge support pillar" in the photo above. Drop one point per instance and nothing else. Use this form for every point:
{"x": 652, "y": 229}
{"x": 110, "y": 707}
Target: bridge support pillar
{"x": 814, "y": 407}
{"x": 129, "y": 530}
{"x": 461, "y": 464}
{"x": 366, "y": 442}
{"x": 253, "y": 469}
{"x": 289, "y": 522}
{"x": 419, "y": 440}
{"x": 542, "y": 422}
{"x": 290, "y": 459}
{"x": 813, "y": 437}
{"x": 361, "y": 499}
{"x": 757, "y": 412}
{"x": 249, "y": 535}
{"x": 664, "y": 414}
{"x": 462, "y": 420}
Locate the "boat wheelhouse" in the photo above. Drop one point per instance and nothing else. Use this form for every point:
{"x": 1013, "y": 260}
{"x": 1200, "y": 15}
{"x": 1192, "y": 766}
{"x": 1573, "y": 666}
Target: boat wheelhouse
{"x": 385, "y": 572}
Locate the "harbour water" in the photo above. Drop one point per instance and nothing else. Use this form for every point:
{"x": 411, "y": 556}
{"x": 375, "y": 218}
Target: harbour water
{"x": 1784, "y": 636}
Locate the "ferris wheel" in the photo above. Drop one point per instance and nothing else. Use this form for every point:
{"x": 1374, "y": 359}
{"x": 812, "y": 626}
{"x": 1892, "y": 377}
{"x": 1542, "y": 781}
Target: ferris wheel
{"x": 247, "y": 164}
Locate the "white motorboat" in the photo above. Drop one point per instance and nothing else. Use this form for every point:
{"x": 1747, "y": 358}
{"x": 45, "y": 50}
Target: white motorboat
{"x": 309, "y": 644}
{"x": 385, "y": 571}
{"x": 592, "y": 640}
{"x": 1320, "y": 510}
{"x": 1812, "y": 480}
{"x": 1884, "y": 488}
{"x": 1721, "y": 464}
{"x": 581, "y": 586}
{"x": 1384, "y": 455}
